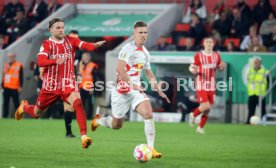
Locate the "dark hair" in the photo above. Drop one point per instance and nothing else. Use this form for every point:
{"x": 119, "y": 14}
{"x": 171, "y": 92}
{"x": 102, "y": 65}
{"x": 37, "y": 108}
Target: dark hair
{"x": 192, "y": 4}
{"x": 208, "y": 37}
{"x": 140, "y": 24}
{"x": 271, "y": 12}
{"x": 74, "y": 32}
{"x": 232, "y": 43}
{"x": 53, "y": 21}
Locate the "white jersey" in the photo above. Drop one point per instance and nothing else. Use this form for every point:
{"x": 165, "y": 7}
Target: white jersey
{"x": 136, "y": 60}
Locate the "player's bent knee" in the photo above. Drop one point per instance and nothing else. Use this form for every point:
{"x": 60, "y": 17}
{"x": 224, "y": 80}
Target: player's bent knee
{"x": 205, "y": 107}
{"x": 117, "y": 126}
{"x": 75, "y": 95}
{"x": 148, "y": 115}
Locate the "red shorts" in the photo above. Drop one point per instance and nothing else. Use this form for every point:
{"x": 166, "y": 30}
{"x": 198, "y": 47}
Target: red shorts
{"x": 206, "y": 96}
{"x": 47, "y": 98}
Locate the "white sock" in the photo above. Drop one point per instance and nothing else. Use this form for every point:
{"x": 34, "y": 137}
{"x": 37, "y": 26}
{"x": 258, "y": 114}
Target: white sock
{"x": 150, "y": 132}
{"x": 83, "y": 136}
{"x": 106, "y": 122}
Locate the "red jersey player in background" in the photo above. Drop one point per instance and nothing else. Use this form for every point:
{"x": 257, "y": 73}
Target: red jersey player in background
{"x": 56, "y": 56}
{"x": 204, "y": 67}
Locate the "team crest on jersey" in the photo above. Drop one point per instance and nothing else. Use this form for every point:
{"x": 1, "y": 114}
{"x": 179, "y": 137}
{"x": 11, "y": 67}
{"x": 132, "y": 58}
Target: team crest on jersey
{"x": 68, "y": 48}
{"x": 122, "y": 55}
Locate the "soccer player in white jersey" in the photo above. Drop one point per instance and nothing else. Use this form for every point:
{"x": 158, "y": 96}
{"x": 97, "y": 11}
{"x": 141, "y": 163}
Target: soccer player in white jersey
{"x": 133, "y": 58}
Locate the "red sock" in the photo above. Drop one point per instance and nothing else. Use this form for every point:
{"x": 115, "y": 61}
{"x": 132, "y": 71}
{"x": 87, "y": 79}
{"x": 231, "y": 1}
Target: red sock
{"x": 80, "y": 116}
{"x": 196, "y": 112}
{"x": 203, "y": 119}
{"x": 29, "y": 109}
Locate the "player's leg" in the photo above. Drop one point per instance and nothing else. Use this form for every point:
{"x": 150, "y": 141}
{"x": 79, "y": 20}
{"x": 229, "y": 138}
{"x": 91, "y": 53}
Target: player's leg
{"x": 145, "y": 110}
{"x": 203, "y": 106}
{"x": 68, "y": 116}
{"x": 44, "y": 100}
{"x": 211, "y": 99}
{"x": 75, "y": 100}
{"x": 109, "y": 122}
{"x": 120, "y": 105}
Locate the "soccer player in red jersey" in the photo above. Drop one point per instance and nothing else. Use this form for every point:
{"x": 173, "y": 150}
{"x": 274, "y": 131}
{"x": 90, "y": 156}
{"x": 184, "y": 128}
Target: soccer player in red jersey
{"x": 56, "y": 56}
{"x": 204, "y": 67}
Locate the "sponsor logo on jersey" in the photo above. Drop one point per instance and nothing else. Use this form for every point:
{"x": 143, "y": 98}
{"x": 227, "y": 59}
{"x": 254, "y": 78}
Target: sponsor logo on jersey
{"x": 65, "y": 55}
{"x": 209, "y": 66}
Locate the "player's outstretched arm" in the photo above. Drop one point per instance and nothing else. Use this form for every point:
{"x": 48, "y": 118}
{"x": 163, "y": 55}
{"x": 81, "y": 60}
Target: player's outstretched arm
{"x": 86, "y": 45}
{"x": 152, "y": 80}
{"x": 99, "y": 43}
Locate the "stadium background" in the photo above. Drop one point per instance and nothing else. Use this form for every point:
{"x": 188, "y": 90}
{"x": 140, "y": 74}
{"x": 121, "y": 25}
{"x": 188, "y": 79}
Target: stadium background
{"x": 112, "y": 20}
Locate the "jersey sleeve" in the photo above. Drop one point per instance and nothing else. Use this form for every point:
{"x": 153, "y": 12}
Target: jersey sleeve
{"x": 124, "y": 54}
{"x": 196, "y": 60}
{"x": 79, "y": 44}
{"x": 44, "y": 49}
{"x": 43, "y": 55}
{"x": 147, "y": 63}
{"x": 219, "y": 59}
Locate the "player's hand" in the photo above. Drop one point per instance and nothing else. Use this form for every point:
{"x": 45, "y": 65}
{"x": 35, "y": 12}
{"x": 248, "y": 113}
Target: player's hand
{"x": 60, "y": 61}
{"x": 221, "y": 66}
{"x": 164, "y": 96}
{"x": 79, "y": 78}
{"x": 138, "y": 87}
{"x": 193, "y": 69}
{"x": 19, "y": 90}
{"x": 99, "y": 43}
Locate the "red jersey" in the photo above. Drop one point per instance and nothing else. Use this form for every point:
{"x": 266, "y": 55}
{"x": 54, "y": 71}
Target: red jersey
{"x": 206, "y": 65}
{"x": 57, "y": 77}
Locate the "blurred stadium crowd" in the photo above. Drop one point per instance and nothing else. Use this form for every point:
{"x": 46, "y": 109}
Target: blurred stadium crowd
{"x": 236, "y": 25}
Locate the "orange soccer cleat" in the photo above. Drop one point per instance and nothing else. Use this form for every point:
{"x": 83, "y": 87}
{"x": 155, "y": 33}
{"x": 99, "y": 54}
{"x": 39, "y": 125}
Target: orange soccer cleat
{"x": 19, "y": 112}
{"x": 86, "y": 142}
{"x": 155, "y": 154}
{"x": 94, "y": 125}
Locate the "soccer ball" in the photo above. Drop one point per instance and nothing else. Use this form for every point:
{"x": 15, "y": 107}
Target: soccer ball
{"x": 142, "y": 153}
{"x": 254, "y": 120}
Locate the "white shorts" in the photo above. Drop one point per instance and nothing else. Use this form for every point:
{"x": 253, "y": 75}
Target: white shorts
{"x": 121, "y": 103}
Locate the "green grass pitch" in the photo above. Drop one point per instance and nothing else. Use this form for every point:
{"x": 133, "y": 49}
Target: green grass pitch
{"x": 33, "y": 143}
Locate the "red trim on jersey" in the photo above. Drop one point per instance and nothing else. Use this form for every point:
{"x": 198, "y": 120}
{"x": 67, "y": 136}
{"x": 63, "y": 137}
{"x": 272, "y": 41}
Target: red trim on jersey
{"x": 127, "y": 67}
{"x": 139, "y": 49}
